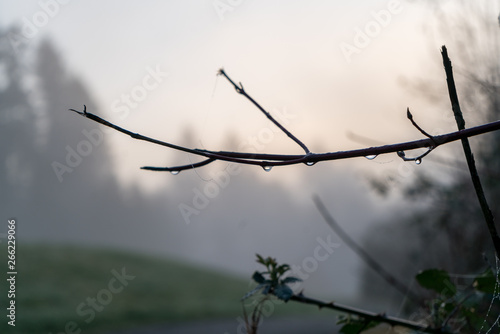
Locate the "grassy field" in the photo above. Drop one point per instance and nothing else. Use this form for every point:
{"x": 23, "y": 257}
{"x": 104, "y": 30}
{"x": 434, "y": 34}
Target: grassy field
{"x": 63, "y": 289}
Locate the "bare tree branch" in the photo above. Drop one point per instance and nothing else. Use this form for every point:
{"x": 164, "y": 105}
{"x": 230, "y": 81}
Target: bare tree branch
{"x": 270, "y": 160}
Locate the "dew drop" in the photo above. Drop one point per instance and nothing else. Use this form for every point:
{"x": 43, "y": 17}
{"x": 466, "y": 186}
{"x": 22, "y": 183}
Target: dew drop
{"x": 418, "y": 161}
{"x": 401, "y": 154}
{"x": 310, "y": 163}
{"x": 267, "y": 168}
{"x": 175, "y": 172}
{"x": 371, "y": 157}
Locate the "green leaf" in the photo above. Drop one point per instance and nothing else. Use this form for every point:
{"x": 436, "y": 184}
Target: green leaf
{"x": 260, "y": 259}
{"x": 283, "y": 269}
{"x": 283, "y": 292}
{"x": 437, "y": 280}
{"x": 486, "y": 282}
{"x": 473, "y": 317}
{"x": 258, "y": 277}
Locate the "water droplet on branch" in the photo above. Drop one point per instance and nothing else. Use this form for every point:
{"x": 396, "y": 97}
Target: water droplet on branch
{"x": 175, "y": 172}
{"x": 418, "y": 161}
{"x": 371, "y": 157}
{"x": 267, "y": 168}
{"x": 310, "y": 163}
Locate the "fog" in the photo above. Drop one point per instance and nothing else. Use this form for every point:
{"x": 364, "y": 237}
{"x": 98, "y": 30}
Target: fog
{"x": 151, "y": 68}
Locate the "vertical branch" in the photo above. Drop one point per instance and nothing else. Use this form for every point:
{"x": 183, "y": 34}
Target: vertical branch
{"x": 488, "y": 216}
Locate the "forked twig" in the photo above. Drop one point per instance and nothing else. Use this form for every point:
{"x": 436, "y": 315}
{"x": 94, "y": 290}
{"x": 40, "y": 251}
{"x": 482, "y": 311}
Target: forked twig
{"x": 419, "y": 158}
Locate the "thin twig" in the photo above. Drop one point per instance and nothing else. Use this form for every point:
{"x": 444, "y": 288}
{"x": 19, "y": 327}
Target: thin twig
{"x": 417, "y": 159}
{"x": 410, "y": 117}
{"x": 102, "y": 121}
{"x": 241, "y": 91}
{"x": 369, "y": 315}
{"x": 179, "y": 168}
{"x": 488, "y": 216}
{"x": 367, "y": 258}
{"x": 262, "y": 159}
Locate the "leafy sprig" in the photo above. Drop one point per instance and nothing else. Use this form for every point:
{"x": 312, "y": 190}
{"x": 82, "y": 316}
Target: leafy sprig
{"x": 273, "y": 280}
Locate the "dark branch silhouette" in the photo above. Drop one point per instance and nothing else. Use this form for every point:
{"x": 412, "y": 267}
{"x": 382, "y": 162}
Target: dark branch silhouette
{"x": 270, "y": 160}
{"x": 241, "y": 91}
{"x": 377, "y": 317}
{"x": 452, "y": 90}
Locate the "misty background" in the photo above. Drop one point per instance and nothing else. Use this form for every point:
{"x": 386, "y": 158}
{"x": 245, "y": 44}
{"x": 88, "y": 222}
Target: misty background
{"x": 289, "y": 57}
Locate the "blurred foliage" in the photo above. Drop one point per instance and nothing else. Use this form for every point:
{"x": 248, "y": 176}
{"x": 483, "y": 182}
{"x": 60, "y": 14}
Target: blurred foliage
{"x": 469, "y": 309}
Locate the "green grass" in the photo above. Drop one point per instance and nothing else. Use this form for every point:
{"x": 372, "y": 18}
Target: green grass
{"x": 52, "y": 281}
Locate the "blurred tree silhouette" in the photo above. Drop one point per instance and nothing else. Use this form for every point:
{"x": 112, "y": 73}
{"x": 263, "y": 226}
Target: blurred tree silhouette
{"x": 36, "y": 131}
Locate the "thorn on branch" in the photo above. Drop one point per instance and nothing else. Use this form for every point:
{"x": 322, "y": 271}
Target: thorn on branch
{"x": 84, "y": 113}
{"x": 240, "y": 89}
